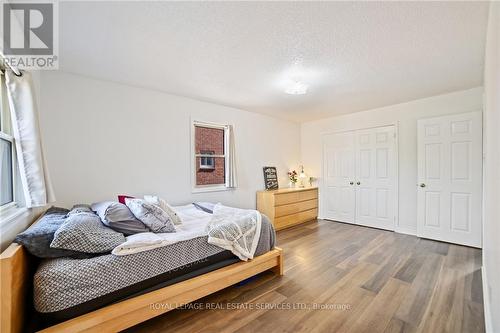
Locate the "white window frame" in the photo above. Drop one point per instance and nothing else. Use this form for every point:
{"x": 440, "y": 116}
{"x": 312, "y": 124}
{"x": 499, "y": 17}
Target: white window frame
{"x": 195, "y": 167}
{"x": 13, "y": 209}
{"x": 207, "y": 157}
{"x": 10, "y": 139}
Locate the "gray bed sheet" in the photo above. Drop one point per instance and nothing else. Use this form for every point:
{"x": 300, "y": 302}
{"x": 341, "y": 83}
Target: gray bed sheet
{"x": 64, "y": 282}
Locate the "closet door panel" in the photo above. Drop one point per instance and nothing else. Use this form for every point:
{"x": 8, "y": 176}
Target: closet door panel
{"x": 375, "y": 177}
{"x": 359, "y": 177}
{"x": 337, "y": 201}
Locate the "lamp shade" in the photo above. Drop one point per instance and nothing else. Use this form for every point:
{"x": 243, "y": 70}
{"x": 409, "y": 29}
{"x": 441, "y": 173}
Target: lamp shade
{"x": 302, "y": 173}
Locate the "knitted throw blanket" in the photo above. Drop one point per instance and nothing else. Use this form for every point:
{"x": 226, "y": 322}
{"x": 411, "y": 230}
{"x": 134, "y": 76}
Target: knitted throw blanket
{"x": 236, "y": 230}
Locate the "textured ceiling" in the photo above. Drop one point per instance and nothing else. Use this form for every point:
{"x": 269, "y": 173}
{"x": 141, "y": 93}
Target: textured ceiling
{"x": 354, "y": 55}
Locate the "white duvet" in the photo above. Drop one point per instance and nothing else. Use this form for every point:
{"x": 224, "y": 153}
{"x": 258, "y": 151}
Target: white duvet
{"x": 194, "y": 224}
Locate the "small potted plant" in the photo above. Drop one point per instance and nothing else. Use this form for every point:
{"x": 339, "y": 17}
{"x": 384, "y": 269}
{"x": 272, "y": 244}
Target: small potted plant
{"x": 293, "y": 176}
{"x": 311, "y": 180}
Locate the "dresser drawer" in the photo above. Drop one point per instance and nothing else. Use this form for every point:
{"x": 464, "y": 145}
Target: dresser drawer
{"x": 295, "y": 207}
{"x": 288, "y": 198}
{"x": 308, "y": 195}
{"x": 289, "y": 220}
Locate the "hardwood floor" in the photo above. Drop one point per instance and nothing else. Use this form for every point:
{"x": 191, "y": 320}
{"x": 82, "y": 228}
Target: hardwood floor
{"x": 365, "y": 280}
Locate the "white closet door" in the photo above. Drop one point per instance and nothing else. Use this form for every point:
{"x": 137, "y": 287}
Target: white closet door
{"x": 376, "y": 177}
{"x": 337, "y": 195}
{"x": 450, "y": 178}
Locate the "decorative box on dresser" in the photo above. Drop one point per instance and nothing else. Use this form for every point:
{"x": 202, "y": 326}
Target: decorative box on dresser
{"x": 289, "y": 206}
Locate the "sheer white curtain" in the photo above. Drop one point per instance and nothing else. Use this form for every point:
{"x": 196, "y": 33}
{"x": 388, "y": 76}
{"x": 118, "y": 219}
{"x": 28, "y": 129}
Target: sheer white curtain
{"x": 35, "y": 180}
{"x": 231, "y": 160}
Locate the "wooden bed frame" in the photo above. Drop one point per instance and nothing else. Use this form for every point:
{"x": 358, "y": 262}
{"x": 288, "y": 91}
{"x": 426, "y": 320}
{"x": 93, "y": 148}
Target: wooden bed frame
{"x": 16, "y": 275}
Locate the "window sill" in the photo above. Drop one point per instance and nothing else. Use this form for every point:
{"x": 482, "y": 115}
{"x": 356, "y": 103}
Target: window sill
{"x": 12, "y": 214}
{"x": 211, "y": 189}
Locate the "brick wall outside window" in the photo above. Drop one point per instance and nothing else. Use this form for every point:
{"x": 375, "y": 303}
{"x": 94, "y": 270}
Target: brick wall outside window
{"x": 210, "y": 139}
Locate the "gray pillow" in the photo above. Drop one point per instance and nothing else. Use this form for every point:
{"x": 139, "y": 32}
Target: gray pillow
{"x": 207, "y": 207}
{"x": 80, "y": 208}
{"x": 37, "y": 238}
{"x": 84, "y": 232}
{"x": 151, "y": 215}
{"x": 118, "y": 217}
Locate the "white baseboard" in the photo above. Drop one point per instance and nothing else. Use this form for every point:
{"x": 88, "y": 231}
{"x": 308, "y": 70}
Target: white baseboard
{"x": 486, "y": 299}
{"x": 406, "y": 230}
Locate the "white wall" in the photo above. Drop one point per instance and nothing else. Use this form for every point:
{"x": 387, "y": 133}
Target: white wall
{"x": 405, "y": 116}
{"x": 103, "y": 139}
{"x": 491, "y": 224}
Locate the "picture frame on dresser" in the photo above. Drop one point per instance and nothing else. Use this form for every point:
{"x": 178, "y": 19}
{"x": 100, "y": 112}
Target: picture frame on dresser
{"x": 270, "y": 178}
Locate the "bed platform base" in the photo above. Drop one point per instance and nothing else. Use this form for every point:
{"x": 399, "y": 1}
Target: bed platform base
{"x": 16, "y": 284}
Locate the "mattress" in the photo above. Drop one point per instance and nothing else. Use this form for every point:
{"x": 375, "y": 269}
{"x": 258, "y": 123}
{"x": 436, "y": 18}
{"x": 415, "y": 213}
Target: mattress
{"x": 65, "y": 287}
{"x": 188, "y": 271}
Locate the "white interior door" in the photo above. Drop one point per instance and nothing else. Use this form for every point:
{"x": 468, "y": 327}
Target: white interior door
{"x": 338, "y": 191}
{"x": 376, "y": 177}
{"x": 450, "y": 178}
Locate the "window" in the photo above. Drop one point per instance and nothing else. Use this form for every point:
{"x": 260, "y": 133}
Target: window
{"x": 7, "y": 156}
{"x": 207, "y": 162}
{"x": 210, "y": 156}
{"x": 6, "y": 174}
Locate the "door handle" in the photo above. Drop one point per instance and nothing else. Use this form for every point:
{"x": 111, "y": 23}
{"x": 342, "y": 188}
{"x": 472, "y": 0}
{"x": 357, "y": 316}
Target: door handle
{"x": 358, "y": 183}
{"x": 351, "y": 183}
{"x": 422, "y": 185}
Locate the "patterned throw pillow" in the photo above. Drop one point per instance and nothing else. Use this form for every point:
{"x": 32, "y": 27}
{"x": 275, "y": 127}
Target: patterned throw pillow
{"x": 37, "y": 238}
{"x": 84, "y": 232}
{"x": 155, "y": 200}
{"x": 151, "y": 215}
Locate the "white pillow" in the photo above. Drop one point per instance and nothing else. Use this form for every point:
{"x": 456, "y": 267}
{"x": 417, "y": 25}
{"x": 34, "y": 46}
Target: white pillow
{"x": 151, "y": 215}
{"x": 155, "y": 200}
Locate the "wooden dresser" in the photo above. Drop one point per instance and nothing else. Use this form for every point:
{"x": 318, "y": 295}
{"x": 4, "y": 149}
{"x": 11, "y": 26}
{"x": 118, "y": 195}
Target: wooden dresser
{"x": 289, "y": 206}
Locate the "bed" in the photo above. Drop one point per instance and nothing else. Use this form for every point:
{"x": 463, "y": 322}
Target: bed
{"x": 115, "y": 292}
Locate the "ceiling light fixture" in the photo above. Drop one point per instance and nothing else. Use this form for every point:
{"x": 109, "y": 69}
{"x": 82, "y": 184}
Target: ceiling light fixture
{"x": 297, "y": 88}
